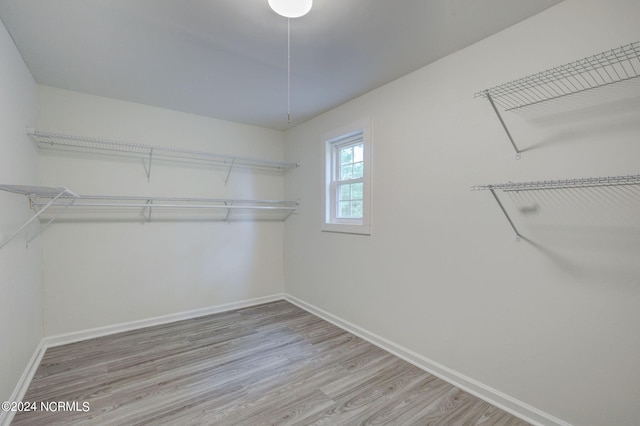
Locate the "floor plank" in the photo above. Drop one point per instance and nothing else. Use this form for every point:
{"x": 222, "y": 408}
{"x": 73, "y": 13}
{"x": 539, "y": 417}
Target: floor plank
{"x": 272, "y": 364}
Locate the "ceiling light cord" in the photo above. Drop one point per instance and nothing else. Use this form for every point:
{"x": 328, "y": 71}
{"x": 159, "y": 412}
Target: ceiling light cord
{"x": 290, "y": 9}
{"x": 288, "y": 70}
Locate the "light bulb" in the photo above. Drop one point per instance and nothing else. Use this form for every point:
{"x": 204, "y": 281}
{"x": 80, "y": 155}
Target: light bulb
{"x": 291, "y": 8}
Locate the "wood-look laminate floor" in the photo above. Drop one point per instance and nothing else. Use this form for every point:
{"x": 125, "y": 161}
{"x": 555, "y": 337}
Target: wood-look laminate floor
{"x": 264, "y": 365}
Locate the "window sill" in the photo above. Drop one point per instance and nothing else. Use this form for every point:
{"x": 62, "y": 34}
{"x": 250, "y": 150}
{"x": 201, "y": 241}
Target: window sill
{"x": 346, "y": 229}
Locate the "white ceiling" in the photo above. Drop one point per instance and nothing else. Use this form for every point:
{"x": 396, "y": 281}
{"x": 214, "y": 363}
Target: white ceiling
{"x": 227, "y": 58}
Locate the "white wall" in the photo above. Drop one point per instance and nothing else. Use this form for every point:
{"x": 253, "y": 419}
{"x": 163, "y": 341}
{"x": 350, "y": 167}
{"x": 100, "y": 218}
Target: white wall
{"x": 552, "y": 322}
{"x": 109, "y": 272}
{"x": 20, "y": 272}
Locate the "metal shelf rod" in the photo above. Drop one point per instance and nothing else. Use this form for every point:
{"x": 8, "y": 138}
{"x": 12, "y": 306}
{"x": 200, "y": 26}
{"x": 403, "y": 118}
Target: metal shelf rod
{"x": 186, "y": 206}
{"x": 169, "y": 200}
{"x": 149, "y": 204}
{"x": 49, "y": 140}
{"x": 43, "y": 198}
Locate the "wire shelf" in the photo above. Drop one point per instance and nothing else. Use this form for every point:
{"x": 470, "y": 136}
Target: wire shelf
{"x": 58, "y": 200}
{"x": 99, "y": 201}
{"x": 563, "y": 184}
{"x": 52, "y": 193}
{"x": 602, "y": 69}
{"x": 94, "y": 208}
{"x": 47, "y": 140}
{"x": 590, "y": 182}
{"x": 46, "y": 191}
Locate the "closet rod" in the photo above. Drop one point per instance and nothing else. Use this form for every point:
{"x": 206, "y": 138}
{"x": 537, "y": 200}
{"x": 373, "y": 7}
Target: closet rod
{"x": 128, "y": 202}
{"x": 174, "y": 206}
{"x": 95, "y": 202}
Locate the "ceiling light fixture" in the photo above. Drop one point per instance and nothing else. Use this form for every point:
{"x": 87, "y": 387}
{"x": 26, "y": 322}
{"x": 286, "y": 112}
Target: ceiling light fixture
{"x": 290, "y": 9}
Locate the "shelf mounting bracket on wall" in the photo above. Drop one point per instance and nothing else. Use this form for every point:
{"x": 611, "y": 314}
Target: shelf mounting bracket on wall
{"x": 233, "y": 161}
{"x": 504, "y": 211}
{"x": 230, "y": 204}
{"x": 148, "y": 170}
{"x": 149, "y": 209}
{"x": 42, "y": 228}
{"x": 28, "y": 190}
{"x": 504, "y": 126}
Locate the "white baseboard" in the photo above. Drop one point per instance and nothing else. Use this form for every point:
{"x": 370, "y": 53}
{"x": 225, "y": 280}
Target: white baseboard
{"x": 63, "y": 339}
{"x": 505, "y": 402}
{"x": 77, "y": 336}
{"x": 23, "y": 384}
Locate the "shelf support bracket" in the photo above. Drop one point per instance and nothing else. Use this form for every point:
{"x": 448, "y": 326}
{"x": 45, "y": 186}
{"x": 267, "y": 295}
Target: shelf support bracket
{"x": 148, "y": 170}
{"x": 229, "y": 171}
{"x": 230, "y": 203}
{"x": 149, "y": 202}
{"x": 42, "y": 229}
{"x": 493, "y": 192}
{"x": 293, "y": 211}
{"x": 35, "y": 216}
{"x": 504, "y": 126}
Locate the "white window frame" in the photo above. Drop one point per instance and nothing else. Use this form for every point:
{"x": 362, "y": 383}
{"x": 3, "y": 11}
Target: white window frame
{"x": 332, "y": 141}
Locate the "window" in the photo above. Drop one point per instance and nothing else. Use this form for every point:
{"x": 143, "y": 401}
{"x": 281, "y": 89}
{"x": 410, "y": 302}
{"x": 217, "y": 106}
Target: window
{"x": 347, "y": 180}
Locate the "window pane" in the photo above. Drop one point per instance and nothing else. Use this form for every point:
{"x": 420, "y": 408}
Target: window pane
{"x": 356, "y": 191}
{"x": 356, "y": 209}
{"x": 346, "y": 155}
{"x": 346, "y": 172}
{"x": 344, "y": 192}
{"x": 344, "y": 209}
{"x": 358, "y": 170}
{"x": 358, "y": 153}
{"x": 350, "y": 210}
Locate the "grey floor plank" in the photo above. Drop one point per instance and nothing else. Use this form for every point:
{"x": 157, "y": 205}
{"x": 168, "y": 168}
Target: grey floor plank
{"x": 272, "y": 364}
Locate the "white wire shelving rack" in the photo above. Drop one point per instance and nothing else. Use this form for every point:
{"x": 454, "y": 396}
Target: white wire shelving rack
{"x": 590, "y": 182}
{"x": 57, "y": 141}
{"x": 57, "y": 200}
{"x": 613, "y": 66}
{"x": 52, "y": 194}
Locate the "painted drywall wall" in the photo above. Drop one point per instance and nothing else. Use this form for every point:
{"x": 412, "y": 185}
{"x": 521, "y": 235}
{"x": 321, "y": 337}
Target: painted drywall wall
{"x": 20, "y": 272}
{"x": 552, "y": 321}
{"x": 119, "y": 268}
